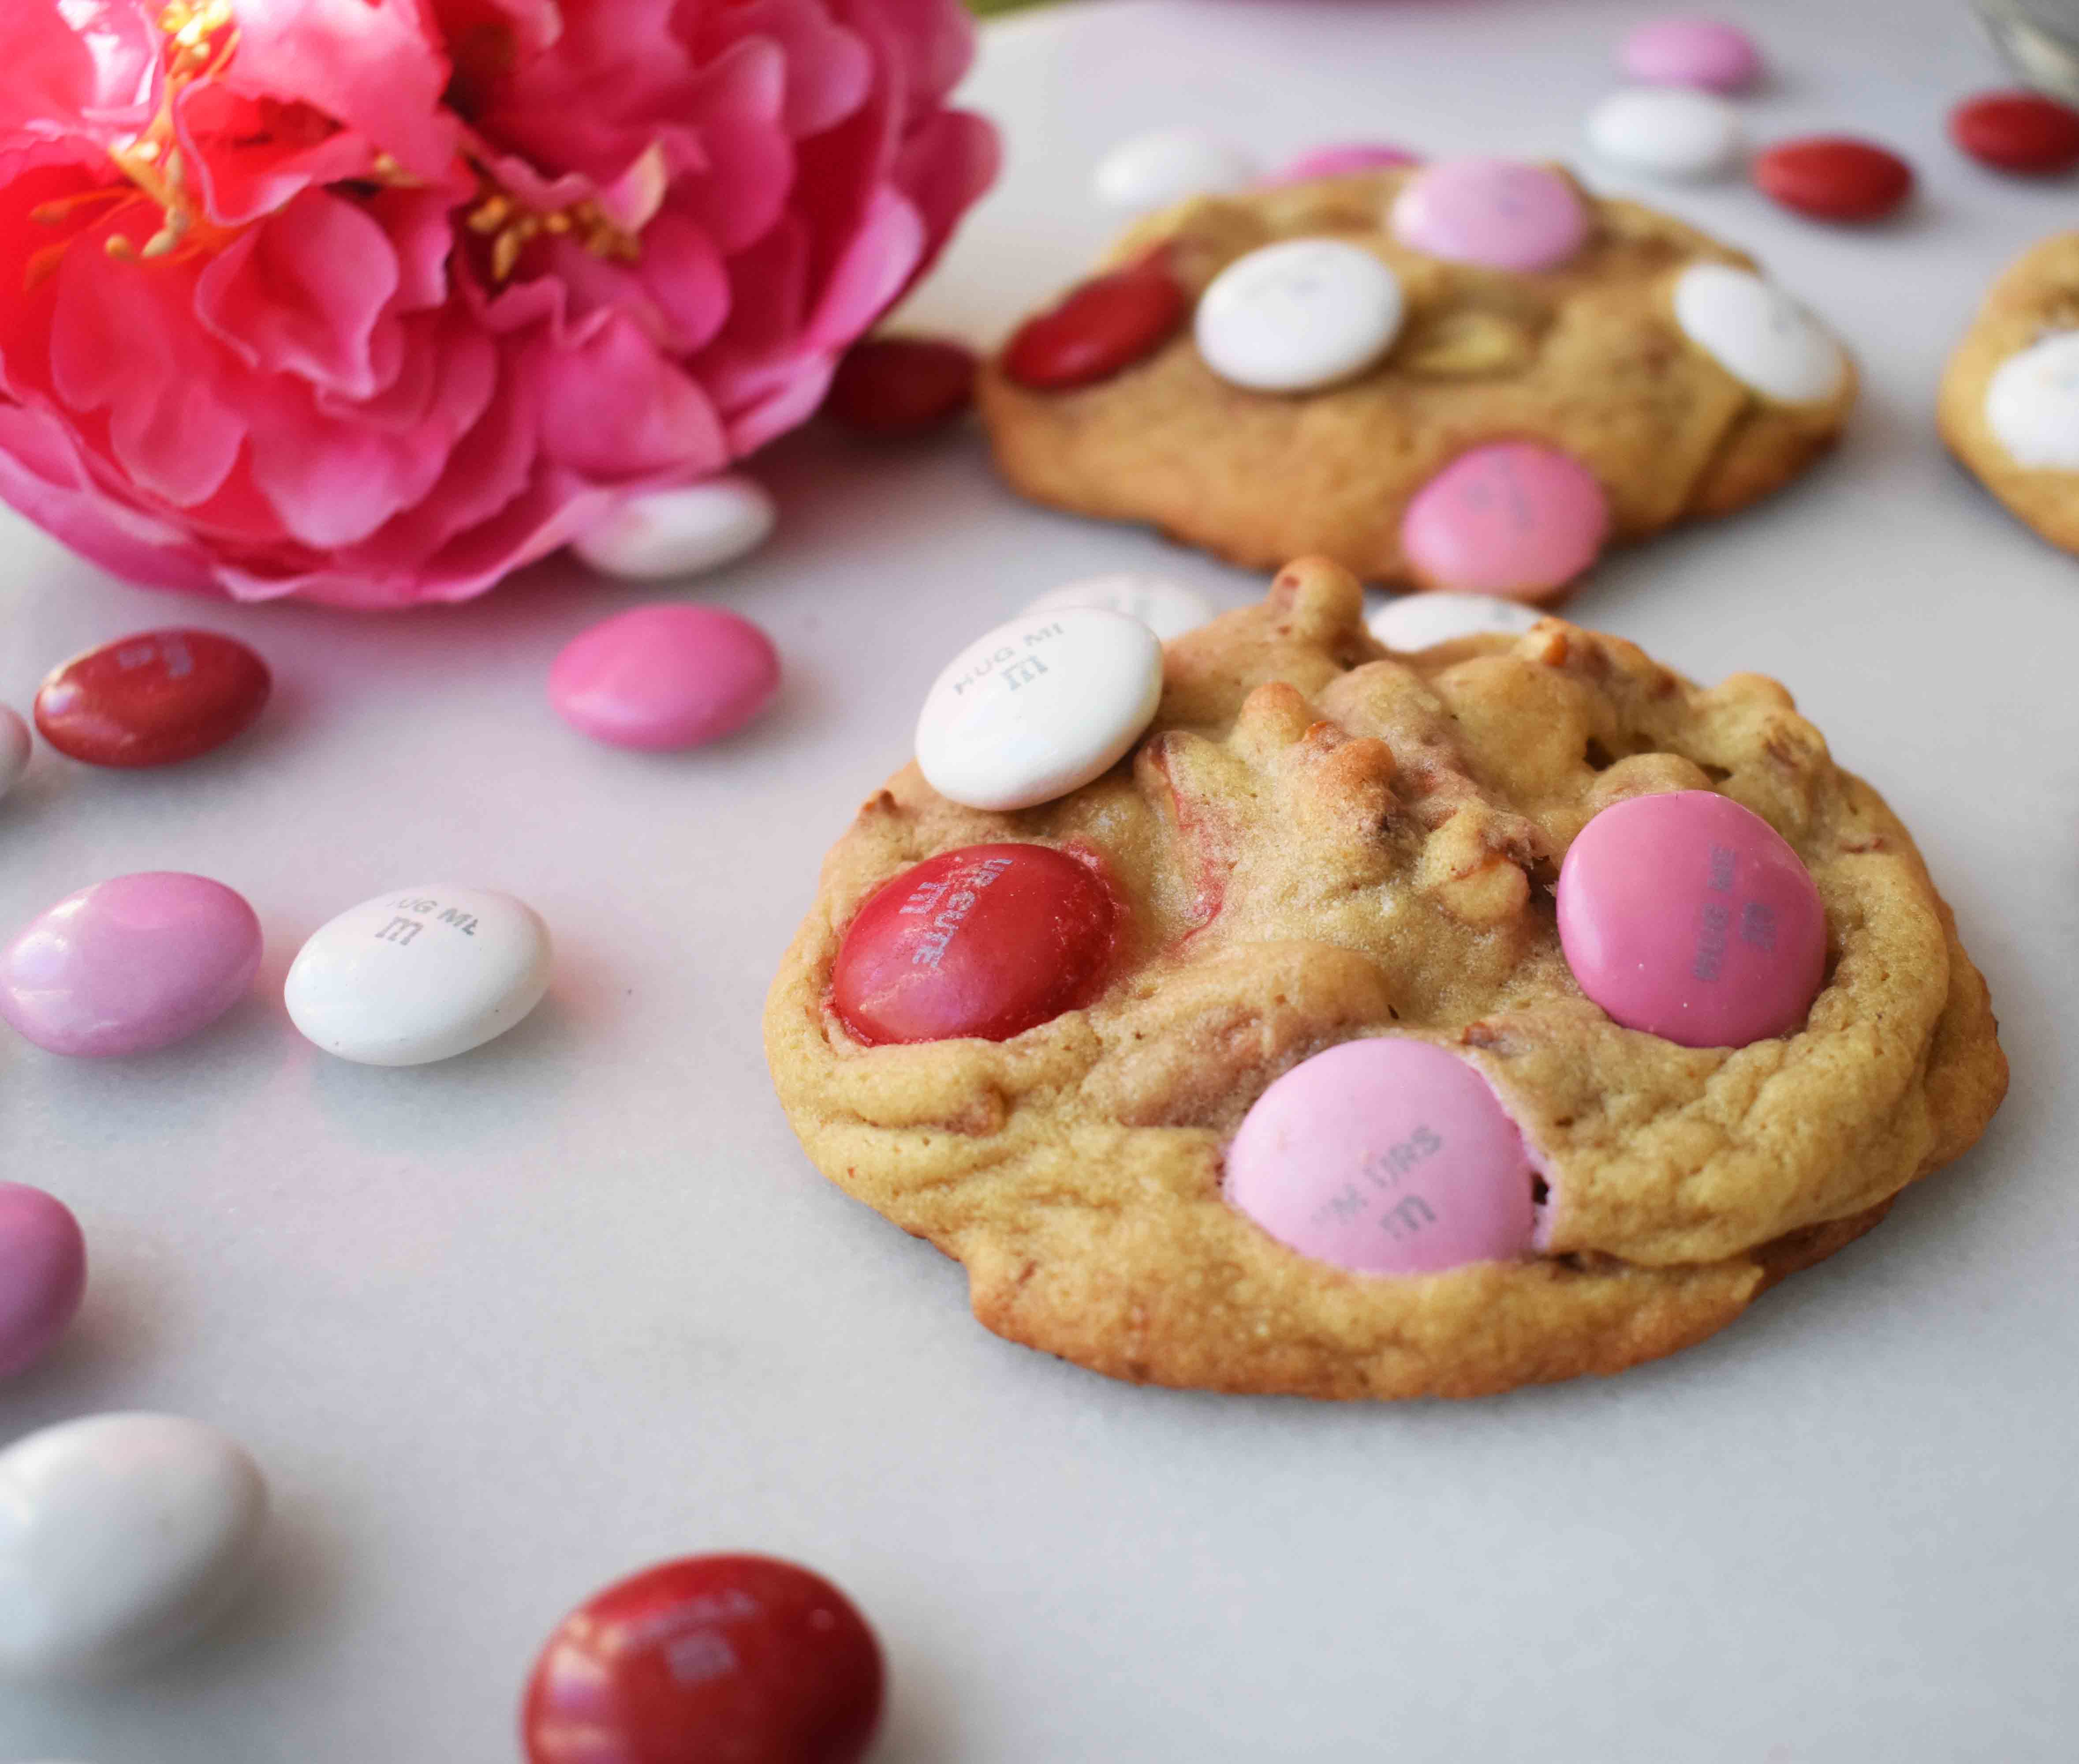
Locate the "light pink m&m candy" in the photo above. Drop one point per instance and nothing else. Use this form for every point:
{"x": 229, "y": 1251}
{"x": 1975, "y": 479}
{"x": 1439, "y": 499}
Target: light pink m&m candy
{"x": 1385, "y": 1156}
{"x": 1690, "y": 917}
{"x": 130, "y": 965}
{"x": 1708, "y": 52}
{"x": 664, "y": 677}
{"x": 43, "y": 1272}
{"x": 1500, "y": 213}
{"x": 1342, "y": 159}
{"x": 1513, "y": 519}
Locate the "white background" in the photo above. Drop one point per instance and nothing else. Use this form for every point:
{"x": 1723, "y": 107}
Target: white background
{"x": 505, "y": 1328}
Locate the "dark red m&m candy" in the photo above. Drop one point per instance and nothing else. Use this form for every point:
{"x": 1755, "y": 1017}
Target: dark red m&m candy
{"x": 712, "y": 1659}
{"x": 892, "y": 387}
{"x": 159, "y": 696}
{"x": 1834, "y": 177}
{"x": 2018, "y": 132}
{"x": 1101, "y": 328}
{"x": 989, "y": 940}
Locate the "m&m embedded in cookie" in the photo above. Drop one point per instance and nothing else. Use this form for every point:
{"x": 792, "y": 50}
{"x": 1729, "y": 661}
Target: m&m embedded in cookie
{"x": 1500, "y": 213}
{"x": 1299, "y": 315}
{"x": 1688, "y": 916}
{"x": 1388, "y": 1155}
{"x": 989, "y": 941}
{"x": 1099, "y": 329}
{"x": 1039, "y": 706}
{"x": 1514, "y": 519}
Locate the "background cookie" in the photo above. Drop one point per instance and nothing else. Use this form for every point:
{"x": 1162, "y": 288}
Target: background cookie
{"x": 1518, "y": 309}
{"x": 1317, "y": 842}
{"x": 2009, "y": 407}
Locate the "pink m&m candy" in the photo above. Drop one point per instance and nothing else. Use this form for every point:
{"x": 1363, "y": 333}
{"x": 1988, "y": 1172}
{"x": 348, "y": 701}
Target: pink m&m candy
{"x": 1497, "y": 212}
{"x": 1690, "y": 917}
{"x": 1513, "y": 518}
{"x": 664, "y": 677}
{"x": 1708, "y": 52}
{"x": 988, "y": 940}
{"x": 1385, "y": 1156}
{"x": 43, "y": 1272}
{"x": 1340, "y": 160}
{"x": 130, "y": 965}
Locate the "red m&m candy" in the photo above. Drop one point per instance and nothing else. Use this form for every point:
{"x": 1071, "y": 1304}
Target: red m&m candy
{"x": 989, "y": 940}
{"x": 153, "y": 699}
{"x": 892, "y": 387}
{"x": 1834, "y": 177}
{"x": 1101, "y": 328}
{"x": 712, "y": 1659}
{"x": 2018, "y": 132}
{"x": 1688, "y": 916}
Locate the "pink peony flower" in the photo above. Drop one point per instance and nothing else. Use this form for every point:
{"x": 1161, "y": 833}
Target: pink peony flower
{"x": 373, "y": 301}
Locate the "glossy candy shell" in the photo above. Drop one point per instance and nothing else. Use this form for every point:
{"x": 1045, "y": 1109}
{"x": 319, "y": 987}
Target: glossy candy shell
{"x": 712, "y": 1659}
{"x": 1834, "y": 177}
{"x": 155, "y": 698}
{"x": 988, "y": 941}
{"x": 1100, "y": 330}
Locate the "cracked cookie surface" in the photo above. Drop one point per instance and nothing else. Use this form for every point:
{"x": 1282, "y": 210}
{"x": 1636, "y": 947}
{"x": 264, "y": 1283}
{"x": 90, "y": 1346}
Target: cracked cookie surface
{"x": 1587, "y": 358}
{"x": 1317, "y": 840}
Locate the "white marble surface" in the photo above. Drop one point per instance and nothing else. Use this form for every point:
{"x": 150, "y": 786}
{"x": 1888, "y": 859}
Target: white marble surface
{"x": 504, "y": 1328}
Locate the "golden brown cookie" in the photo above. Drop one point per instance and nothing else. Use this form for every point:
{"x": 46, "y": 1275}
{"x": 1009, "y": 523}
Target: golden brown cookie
{"x": 1589, "y": 358}
{"x": 1315, "y": 841}
{"x": 2009, "y": 402}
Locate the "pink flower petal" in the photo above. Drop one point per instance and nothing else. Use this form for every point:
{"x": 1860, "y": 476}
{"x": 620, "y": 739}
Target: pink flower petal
{"x": 623, "y": 410}
{"x": 371, "y": 64}
{"x": 301, "y": 293}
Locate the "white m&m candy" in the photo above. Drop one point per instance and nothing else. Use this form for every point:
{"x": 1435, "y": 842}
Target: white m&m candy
{"x": 2032, "y": 403}
{"x": 1164, "y": 165}
{"x": 1757, "y": 334}
{"x": 1299, "y": 315}
{"x": 120, "y": 1536}
{"x": 1168, "y": 609}
{"x": 653, "y": 534}
{"x": 419, "y": 975}
{"x": 1039, "y": 707}
{"x": 1411, "y": 622}
{"x": 1666, "y": 132}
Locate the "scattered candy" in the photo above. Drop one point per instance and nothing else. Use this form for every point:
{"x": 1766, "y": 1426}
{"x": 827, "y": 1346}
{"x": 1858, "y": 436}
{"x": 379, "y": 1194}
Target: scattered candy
{"x": 1758, "y": 333}
{"x": 1708, "y": 52}
{"x": 1342, "y": 159}
{"x": 1411, "y": 622}
{"x": 1834, "y": 177}
{"x": 1513, "y": 519}
{"x": 1168, "y": 165}
{"x": 1299, "y": 315}
{"x": 2032, "y": 403}
{"x": 713, "y": 1659}
{"x": 130, "y": 965}
{"x": 1666, "y": 132}
{"x": 1039, "y": 707}
{"x": 1168, "y": 609}
{"x": 989, "y": 940}
{"x": 1101, "y": 328}
{"x": 1498, "y": 212}
{"x": 1385, "y": 1156}
{"x": 664, "y": 677}
{"x": 420, "y": 975}
{"x": 1690, "y": 917}
{"x": 43, "y": 1274}
{"x": 153, "y": 699}
{"x": 121, "y": 1536}
{"x": 895, "y": 387}
{"x": 2018, "y": 131}
{"x": 14, "y": 749}
{"x": 656, "y": 534}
